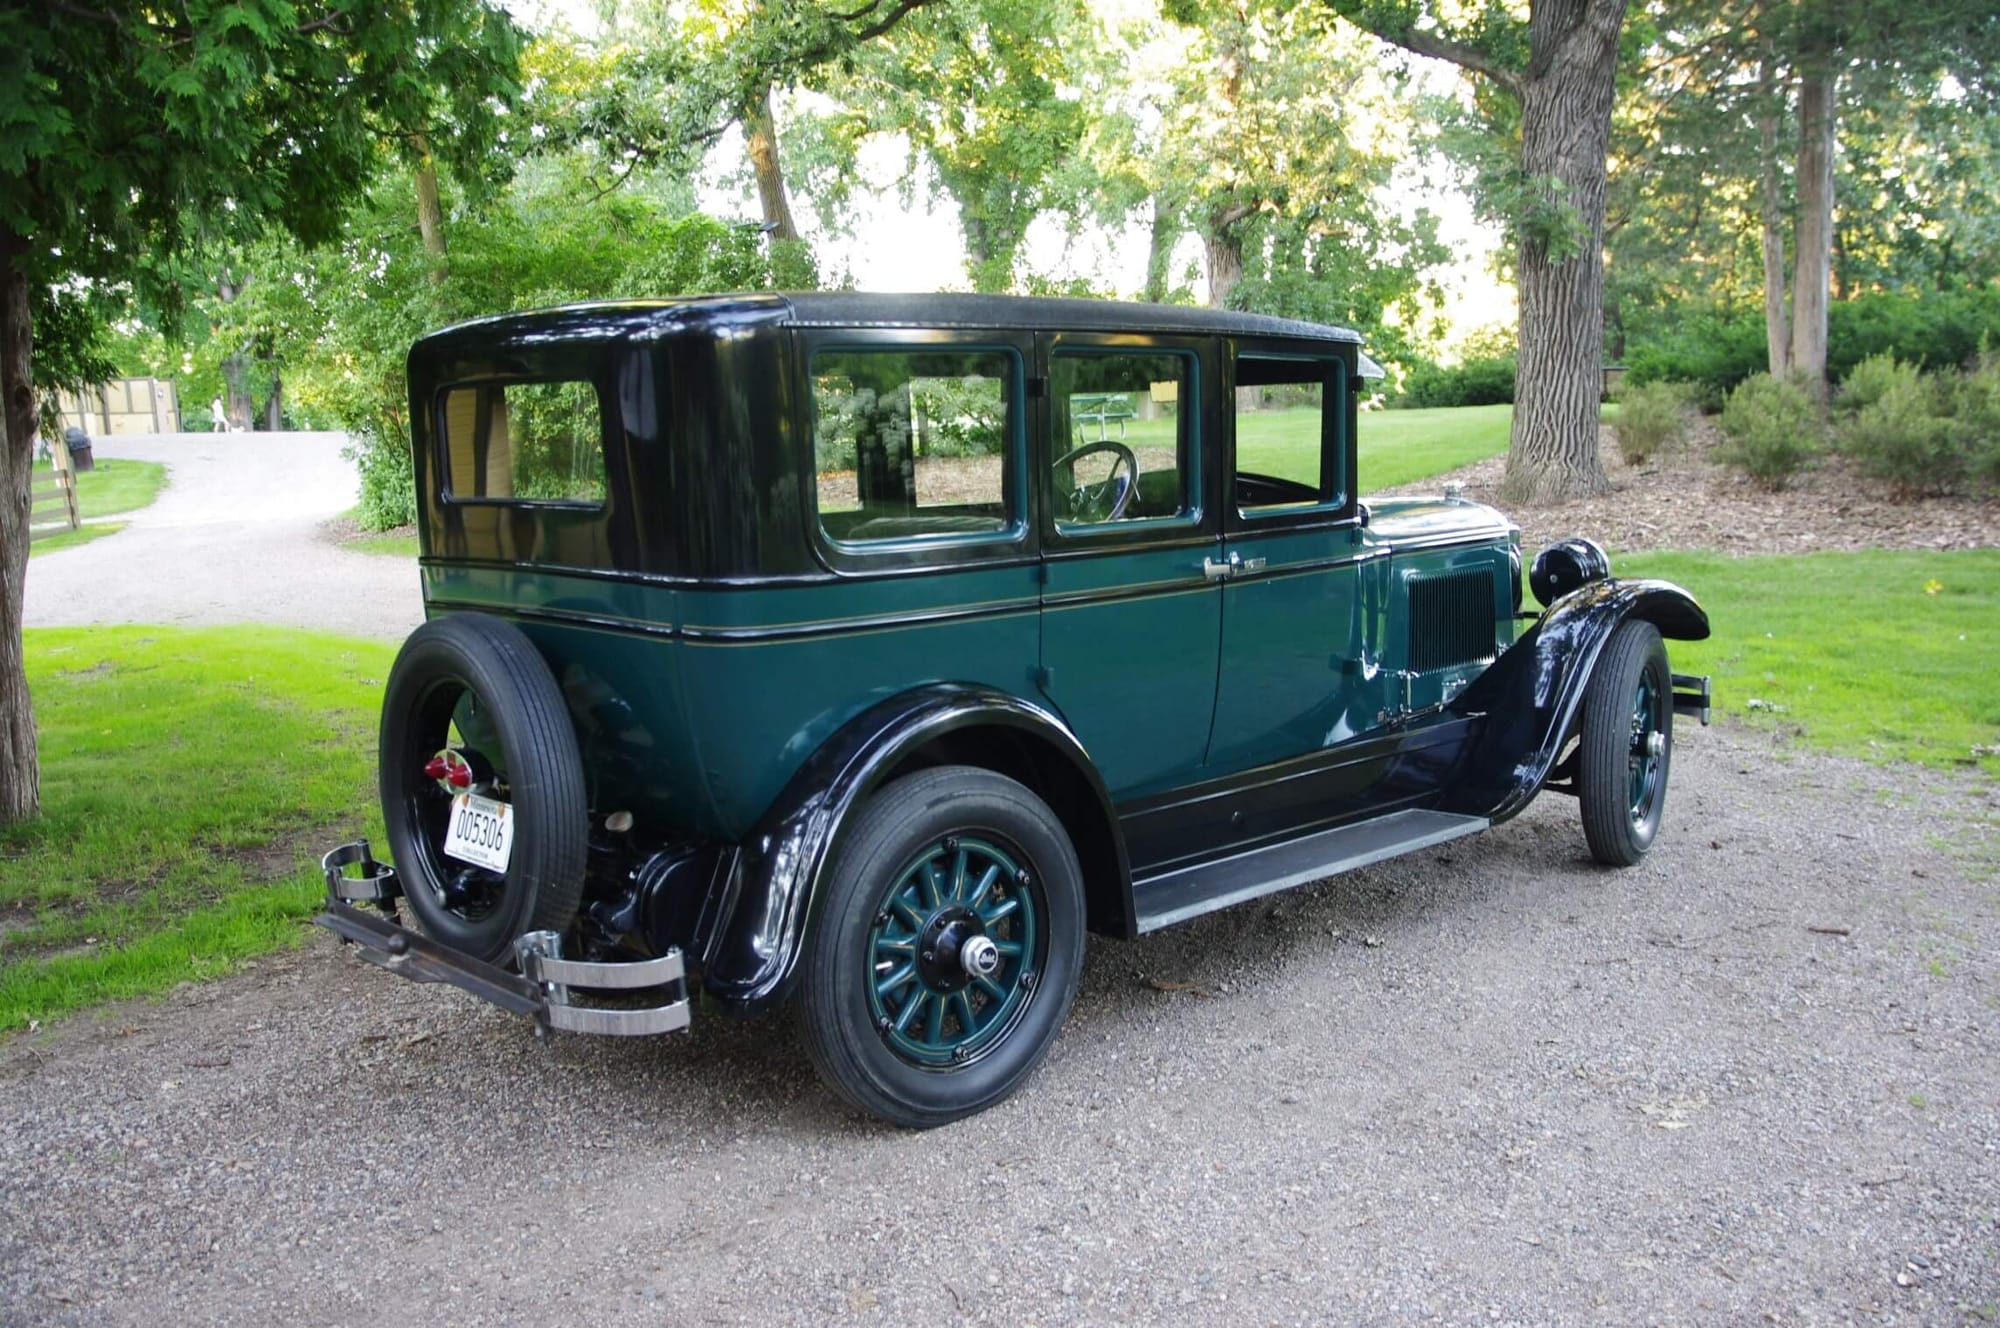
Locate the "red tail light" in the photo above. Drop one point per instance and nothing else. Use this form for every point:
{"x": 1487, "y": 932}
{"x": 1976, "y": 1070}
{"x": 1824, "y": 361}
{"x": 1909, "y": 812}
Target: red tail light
{"x": 435, "y": 767}
{"x": 459, "y": 776}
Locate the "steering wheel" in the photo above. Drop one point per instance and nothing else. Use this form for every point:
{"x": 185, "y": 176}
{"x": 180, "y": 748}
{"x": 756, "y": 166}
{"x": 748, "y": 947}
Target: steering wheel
{"x": 1107, "y": 499}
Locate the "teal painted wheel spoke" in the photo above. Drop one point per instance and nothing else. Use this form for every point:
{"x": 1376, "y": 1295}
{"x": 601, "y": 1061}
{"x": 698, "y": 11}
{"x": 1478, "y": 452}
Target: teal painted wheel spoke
{"x": 962, "y": 1004}
{"x": 924, "y": 1000}
{"x": 978, "y": 895}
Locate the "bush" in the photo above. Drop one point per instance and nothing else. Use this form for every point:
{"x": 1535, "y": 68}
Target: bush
{"x": 1487, "y": 381}
{"x": 1975, "y": 409}
{"x": 1774, "y": 430}
{"x": 1651, "y": 417}
{"x": 388, "y": 482}
{"x": 1717, "y": 349}
{"x": 1873, "y": 379}
{"x": 1903, "y": 436}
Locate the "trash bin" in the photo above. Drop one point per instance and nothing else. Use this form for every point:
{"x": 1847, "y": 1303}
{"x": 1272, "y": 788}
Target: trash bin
{"x": 79, "y": 447}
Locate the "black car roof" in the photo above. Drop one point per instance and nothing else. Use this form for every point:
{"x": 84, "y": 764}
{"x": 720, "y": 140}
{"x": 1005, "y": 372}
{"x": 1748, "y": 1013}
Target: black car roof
{"x": 651, "y": 318}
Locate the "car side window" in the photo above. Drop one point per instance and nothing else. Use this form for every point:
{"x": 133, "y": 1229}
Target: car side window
{"x": 1123, "y": 446}
{"x": 524, "y": 442}
{"x": 909, "y": 444}
{"x": 1289, "y": 416}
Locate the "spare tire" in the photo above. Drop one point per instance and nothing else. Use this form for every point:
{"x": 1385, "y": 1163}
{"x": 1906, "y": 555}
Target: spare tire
{"x": 471, "y": 709}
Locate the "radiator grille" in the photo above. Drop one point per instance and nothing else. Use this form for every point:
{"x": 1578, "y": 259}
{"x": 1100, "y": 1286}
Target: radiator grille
{"x": 1451, "y": 619}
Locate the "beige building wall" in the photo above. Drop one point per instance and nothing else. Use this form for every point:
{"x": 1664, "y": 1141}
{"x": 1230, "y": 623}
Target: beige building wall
{"x": 124, "y": 405}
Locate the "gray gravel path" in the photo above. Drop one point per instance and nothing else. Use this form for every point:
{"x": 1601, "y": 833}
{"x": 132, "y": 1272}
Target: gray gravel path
{"x": 234, "y": 538}
{"x": 1755, "y": 1080}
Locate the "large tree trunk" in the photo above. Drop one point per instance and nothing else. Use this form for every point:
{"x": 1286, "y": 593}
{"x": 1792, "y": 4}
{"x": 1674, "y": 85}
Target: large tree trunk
{"x": 760, "y": 133}
{"x": 1166, "y": 231}
{"x": 273, "y": 410}
{"x": 1812, "y": 272}
{"x": 1565, "y": 136}
{"x": 1777, "y": 324}
{"x": 430, "y": 211}
{"x": 1224, "y": 251}
{"x": 20, "y": 778}
{"x": 238, "y": 404}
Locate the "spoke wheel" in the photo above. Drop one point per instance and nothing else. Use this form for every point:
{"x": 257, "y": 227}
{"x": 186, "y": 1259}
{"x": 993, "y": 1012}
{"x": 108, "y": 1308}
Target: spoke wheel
{"x": 1627, "y": 746}
{"x": 946, "y": 952}
{"x": 955, "y": 947}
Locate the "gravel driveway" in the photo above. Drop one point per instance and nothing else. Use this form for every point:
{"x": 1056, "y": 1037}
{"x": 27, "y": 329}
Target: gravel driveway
{"x": 1755, "y": 1080}
{"x": 234, "y": 538}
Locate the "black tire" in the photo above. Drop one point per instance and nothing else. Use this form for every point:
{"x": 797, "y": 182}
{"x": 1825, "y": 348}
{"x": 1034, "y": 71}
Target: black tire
{"x": 966, "y": 815}
{"x": 1621, "y": 771}
{"x": 515, "y": 707}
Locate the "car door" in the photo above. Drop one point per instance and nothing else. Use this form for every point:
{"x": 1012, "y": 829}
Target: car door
{"x": 1131, "y": 624}
{"x": 1290, "y": 680}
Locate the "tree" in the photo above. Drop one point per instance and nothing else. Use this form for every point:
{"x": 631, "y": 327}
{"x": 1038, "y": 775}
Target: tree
{"x": 1558, "y": 72}
{"x": 1759, "y": 118}
{"x": 135, "y": 134}
{"x": 986, "y": 93}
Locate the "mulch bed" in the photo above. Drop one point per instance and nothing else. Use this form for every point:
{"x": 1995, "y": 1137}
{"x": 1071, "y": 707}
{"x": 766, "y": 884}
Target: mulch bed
{"x": 1686, "y": 500}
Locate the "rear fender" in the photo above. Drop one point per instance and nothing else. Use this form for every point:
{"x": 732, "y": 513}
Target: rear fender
{"x": 754, "y": 923}
{"x": 1530, "y": 697}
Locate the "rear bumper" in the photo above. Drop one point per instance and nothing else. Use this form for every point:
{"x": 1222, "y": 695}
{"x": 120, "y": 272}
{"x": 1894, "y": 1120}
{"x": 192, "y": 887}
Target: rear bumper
{"x": 544, "y": 989}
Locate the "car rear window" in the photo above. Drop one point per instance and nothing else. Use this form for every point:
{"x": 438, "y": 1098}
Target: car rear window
{"x": 913, "y": 444}
{"x": 524, "y": 442}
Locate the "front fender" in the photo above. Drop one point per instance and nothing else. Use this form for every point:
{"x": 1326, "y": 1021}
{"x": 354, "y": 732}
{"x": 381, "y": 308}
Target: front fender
{"x": 1530, "y": 697}
{"x": 753, "y": 926}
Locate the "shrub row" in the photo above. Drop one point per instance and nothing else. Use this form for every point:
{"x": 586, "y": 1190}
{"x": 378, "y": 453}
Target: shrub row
{"x": 1717, "y": 350}
{"x": 1916, "y": 432}
{"x": 1485, "y": 381}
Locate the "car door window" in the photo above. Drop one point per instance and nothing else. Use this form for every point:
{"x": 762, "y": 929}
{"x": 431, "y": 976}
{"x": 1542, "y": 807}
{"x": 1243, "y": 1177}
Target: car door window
{"x": 913, "y": 444}
{"x": 1123, "y": 437}
{"x": 1289, "y": 414}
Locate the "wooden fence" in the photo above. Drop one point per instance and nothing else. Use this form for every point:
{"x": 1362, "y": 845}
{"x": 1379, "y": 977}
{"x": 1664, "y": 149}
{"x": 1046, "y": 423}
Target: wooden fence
{"x": 54, "y": 497}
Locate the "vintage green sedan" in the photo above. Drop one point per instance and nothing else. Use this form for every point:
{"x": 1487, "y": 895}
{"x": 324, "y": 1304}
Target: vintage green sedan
{"x": 863, "y": 652}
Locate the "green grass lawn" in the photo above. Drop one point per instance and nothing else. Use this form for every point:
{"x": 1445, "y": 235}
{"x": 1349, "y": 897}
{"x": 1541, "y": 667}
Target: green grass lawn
{"x": 189, "y": 779}
{"x": 1396, "y": 446}
{"x": 69, "y": 539}
{"x": 1892, "y": 656}
{"x": 390, "y": 544}
{"x": 113, "y": 487}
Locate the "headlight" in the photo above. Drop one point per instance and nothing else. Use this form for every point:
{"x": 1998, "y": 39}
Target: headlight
{"x": 1567, "y": 566}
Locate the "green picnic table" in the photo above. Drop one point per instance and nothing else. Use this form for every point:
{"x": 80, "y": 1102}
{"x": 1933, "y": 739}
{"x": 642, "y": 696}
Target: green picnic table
{"x": 1103, "y": 407}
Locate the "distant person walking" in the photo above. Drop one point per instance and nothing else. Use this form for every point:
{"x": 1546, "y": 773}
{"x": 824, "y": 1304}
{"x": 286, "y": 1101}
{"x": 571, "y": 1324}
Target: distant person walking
{"x": 216, "y": 416}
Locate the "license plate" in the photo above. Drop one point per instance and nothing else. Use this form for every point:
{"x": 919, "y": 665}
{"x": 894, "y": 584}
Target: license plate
{"x": 481, "y": 831}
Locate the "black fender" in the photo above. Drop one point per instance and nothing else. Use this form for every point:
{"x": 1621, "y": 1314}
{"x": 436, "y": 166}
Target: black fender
{"x": 1529, "y": 699}
{"x": 753, "y": 925}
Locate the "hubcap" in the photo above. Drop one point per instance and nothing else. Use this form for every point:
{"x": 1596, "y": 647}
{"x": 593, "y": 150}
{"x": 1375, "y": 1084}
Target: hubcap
{"x": 953, "y": 951}
{"x": 1648, "y": 748}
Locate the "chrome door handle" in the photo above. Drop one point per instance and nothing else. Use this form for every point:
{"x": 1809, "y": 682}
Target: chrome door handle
{"x": 1236, "y": 565}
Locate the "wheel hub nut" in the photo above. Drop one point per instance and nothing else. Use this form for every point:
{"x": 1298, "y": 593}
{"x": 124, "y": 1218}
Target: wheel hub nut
{"x": 979, "y": 956}
{"x": 1655, "y": 743}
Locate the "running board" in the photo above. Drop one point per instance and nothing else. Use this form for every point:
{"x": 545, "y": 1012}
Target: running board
{"x": 1176, "y": 896}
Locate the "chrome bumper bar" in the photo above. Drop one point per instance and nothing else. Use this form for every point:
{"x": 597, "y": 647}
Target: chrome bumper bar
{"x": 1692, "y": 696}
{"x": 544, "y": 988}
